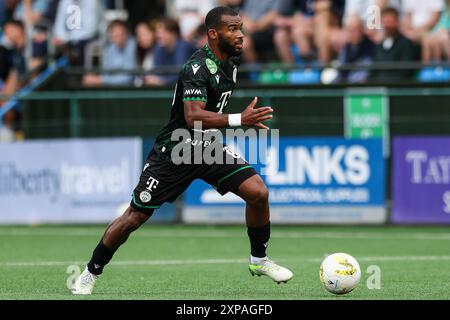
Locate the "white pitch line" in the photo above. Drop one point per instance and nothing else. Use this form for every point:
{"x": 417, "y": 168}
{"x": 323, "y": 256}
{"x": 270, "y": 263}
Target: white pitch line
{"x": 216, "y": 261}
{"x": 125, "y": 262}
{"x": 222, "y": 234}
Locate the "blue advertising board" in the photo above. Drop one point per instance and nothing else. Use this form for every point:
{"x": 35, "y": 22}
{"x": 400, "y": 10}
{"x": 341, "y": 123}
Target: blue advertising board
{"x": 310, "y": 180}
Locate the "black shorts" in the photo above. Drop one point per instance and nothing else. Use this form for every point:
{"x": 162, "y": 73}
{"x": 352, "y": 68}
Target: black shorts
{"x": 163, "y": 181}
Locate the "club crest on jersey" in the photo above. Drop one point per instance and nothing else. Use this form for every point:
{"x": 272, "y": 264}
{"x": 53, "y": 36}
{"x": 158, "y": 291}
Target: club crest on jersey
{"x": 212, "y": 67}
{"x": 145, "y": 196}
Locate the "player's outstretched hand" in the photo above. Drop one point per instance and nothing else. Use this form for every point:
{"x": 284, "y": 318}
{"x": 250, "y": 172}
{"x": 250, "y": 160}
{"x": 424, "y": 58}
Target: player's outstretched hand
{"x": 253, "y": 117}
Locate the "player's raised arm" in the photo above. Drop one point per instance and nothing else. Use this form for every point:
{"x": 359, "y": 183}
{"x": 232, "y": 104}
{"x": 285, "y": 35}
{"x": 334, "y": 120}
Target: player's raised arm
{"x": 250, "y": 117}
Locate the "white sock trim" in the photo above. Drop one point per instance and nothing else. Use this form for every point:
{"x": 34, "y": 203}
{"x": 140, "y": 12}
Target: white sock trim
{"x": 256, "y": 259}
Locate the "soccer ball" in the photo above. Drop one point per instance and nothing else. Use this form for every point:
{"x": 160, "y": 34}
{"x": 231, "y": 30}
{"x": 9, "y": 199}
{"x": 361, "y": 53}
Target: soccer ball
{"x": 340, "y": 273}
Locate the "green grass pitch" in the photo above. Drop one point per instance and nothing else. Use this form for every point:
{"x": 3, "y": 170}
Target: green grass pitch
{"x": 210, "y": 262}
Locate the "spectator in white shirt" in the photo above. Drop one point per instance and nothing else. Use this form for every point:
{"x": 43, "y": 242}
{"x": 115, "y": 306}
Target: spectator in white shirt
{"x": 191, "y": 14}
{"x": 420, "y": 17}
{"x": 76, "y": 24}
{"x": 369, "y": 11}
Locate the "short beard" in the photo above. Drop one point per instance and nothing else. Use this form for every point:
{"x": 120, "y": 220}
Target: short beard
{"x": 228, "y": 48}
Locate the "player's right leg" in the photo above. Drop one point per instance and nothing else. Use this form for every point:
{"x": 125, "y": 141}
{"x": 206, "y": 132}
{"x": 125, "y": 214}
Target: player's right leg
{"x": 115, "y": 235}
{"x": 159, "y": 182}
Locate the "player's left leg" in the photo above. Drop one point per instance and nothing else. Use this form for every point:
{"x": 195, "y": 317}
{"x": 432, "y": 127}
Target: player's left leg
{"x": 257, "y": 214}
{"x": 114, "y": 236}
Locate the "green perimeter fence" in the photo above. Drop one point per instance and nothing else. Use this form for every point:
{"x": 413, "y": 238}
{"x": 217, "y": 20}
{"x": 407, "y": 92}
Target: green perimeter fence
{"x": 299, "y": 111}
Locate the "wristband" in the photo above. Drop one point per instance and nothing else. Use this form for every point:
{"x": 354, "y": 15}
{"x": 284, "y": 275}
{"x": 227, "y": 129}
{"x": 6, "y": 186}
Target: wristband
{"x": 234, "y": 120}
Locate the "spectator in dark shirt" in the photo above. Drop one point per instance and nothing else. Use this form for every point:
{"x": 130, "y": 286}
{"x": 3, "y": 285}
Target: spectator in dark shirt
{"x": 12, "y": 65}
{"x": 12, "y": 60}
{"x": 145, "y": 50}
{"x": 394, "y": 47}
{"x": 358, "y": 49}
{"x": 170, "y": 50}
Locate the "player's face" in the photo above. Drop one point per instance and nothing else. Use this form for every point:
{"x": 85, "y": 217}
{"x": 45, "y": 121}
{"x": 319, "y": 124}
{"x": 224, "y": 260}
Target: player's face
{"x": 230, "y": 35}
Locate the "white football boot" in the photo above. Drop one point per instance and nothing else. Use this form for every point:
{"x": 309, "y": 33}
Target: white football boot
{"x": 85, "y": 283}
{"x": 267, "y": 267}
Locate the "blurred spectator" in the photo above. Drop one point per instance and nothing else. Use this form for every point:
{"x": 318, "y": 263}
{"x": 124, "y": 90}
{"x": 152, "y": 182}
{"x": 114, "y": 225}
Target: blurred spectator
{"x": 144, "y": 10}
{"x": 314, "y": 29}
{"x": 259, "y": 18}
{"x": 12, "y": 60}
{"x": 170, "y": 50}
{"x": 420, "y": 17}
{"x": 77, "y": 23}
{"x": 395, "y": 47}
{"x": 436, "y": 44}
{"x": 119, "y": 54}
{"x": 365, "y": 10}
{"x": 297, "y": 29}
{"x": 33, "y": 14}
{"x": 6, "y": 10}
{"x": 109, "y": 4}
{"x": 328, "y": 36}
{"x": 51, "y": 11}
{"x": 191, "y": 14}
{"x": 145, "y": 50}
{"x": 358, "y": 49}
{"x": 145, "y": 38}
{"x": 12, "y": 67}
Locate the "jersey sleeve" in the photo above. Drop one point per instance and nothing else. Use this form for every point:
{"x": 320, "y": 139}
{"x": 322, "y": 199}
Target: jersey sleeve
{"x": 195, "y": 79}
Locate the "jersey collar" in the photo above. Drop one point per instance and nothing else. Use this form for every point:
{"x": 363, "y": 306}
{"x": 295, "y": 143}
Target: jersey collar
{"x": 212, "y": 56}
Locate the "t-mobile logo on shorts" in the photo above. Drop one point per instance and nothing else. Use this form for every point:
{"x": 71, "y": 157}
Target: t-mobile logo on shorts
{"x": 152, "y": 183}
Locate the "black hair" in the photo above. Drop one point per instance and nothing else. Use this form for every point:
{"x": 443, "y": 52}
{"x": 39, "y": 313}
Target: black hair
{"x": 16, "y": 23}
{"x": 170, "y": 25}
{"x": 390, "y": 10}
{"x": 214, "y": 17}
{"x": 118, "y": 23}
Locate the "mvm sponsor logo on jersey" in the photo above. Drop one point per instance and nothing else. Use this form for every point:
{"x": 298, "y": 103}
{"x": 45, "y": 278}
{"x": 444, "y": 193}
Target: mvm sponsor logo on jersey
{"x": 190, "y": 92}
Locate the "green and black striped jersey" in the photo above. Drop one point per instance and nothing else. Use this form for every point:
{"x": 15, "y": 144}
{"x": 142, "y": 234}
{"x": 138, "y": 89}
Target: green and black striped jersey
{"x": 202, "y": 78}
